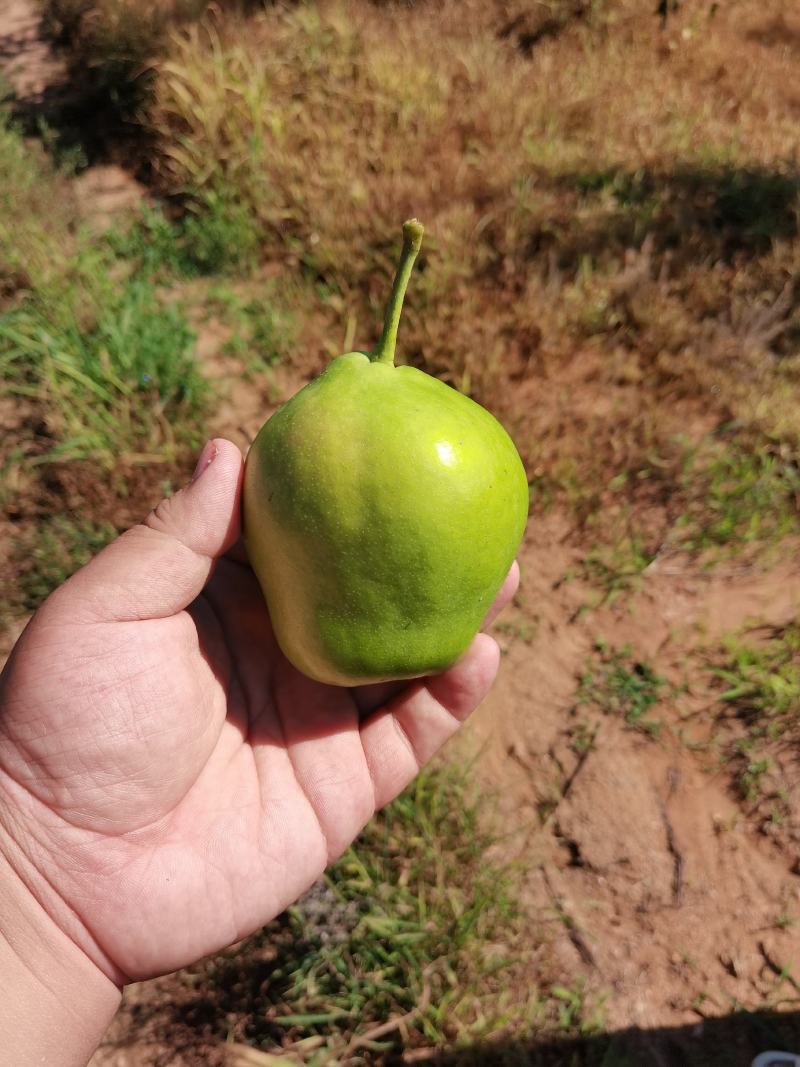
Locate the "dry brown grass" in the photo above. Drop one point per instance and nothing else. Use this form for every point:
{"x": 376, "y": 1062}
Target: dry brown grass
{"x": 107, "y": 47}
{"x": 611, "y": 211}
{"x": 611, "y": 205}
{"x": 38, "y": 217}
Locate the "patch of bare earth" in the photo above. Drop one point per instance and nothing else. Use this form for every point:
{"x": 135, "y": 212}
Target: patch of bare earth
{"x": 105, "y": 192}
{"x": 655, "y": 885}
{"x": 27, "y": 61}
{"x": 244, "y": 399}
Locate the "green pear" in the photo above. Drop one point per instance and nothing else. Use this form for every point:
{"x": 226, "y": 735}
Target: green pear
{"x": 382, "y": 511}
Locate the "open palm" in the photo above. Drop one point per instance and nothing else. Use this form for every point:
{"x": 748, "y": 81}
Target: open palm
{"x": 168, "y": 781}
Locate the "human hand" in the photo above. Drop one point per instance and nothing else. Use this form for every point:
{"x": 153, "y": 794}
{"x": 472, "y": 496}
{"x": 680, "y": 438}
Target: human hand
{"x": 168, "y": 781}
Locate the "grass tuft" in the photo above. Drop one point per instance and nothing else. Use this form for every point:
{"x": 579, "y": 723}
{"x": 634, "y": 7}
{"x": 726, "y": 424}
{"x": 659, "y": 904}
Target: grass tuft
{"x": 760, "y": 680}
{"x": 623, "y": 686}
{"x": 263, "y": 328}
{"x": 90, "y": 341}
{"x": 740, "y": 497}
{"x": 122, "y": 384}
{"x": 216, "y": 237}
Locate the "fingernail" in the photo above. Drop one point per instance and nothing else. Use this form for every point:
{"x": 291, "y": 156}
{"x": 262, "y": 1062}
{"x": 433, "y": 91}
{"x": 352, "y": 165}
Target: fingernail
{"x": 207, "y": 457}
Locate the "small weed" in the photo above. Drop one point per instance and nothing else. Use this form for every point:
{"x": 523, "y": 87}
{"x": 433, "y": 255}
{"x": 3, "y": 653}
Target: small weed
{"x": 741, "y": 496}
{"x": 215, "y": 236}
{"x": 761, "y": 682}
{"x": 687, "y": 960}
{"x": 263, "y": 331}
{"x": 699, "y": 1001}
{"x": 219, "y": 236}
{"x": 576, "y": 1012}
{"x": 151, "y": 245}
{"x": 582, "y": 738}
{"x": 48, "y": 553}
{"x": 751, "y": 779}
{"x": 617, "y": 568}
{"x": 518, "y": 629}
{"x": 623, "y": 686}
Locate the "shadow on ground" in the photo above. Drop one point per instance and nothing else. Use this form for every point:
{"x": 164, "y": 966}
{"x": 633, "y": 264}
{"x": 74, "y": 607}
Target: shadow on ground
{"x": 699, "y": 213}
{"x": 189, "y": 1017}
{"x": 94, "y": 109}
{"x": 731, "y": 1041}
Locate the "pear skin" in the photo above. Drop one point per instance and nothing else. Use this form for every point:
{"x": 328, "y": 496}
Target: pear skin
{"x": 382, "y": 511}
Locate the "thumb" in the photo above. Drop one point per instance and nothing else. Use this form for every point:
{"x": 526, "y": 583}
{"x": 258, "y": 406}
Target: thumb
{"x": 157, "y": 568}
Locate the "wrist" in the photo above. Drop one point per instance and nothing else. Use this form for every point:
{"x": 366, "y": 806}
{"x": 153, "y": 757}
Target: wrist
{"x": 56, "y": 1003}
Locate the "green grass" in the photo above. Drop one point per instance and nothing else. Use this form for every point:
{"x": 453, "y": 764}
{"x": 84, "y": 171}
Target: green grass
{"x": 121, "y": 385}
{"x": 751, "y": 773}
{"x": 216, "y": 236}
{"x": 623, "y": 686}
{"x": 220, "y": 235}
{"x": 264, "y": 328}
{"x": 745, "y": 494}
{"x": 760, "y": 682}
{"x": 762, "y": 679}
{"x": 518, "y": 631}
{"x": 216, "y": 240}
{"x": 89, "y": 336}
{"x": 411, "y": 931}
{"x": 578, "y": 1012}
{"x": 615, "y": 568}
{"x": 735, "y": 494}
{"x": 37, "y": 215}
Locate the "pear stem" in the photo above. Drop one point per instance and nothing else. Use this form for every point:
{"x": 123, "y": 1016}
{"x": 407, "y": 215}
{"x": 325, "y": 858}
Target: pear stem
{"x": 412, "y": 239}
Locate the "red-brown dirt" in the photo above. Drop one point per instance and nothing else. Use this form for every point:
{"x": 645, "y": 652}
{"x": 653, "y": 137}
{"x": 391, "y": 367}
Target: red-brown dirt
{"x": 654, "y": 883}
